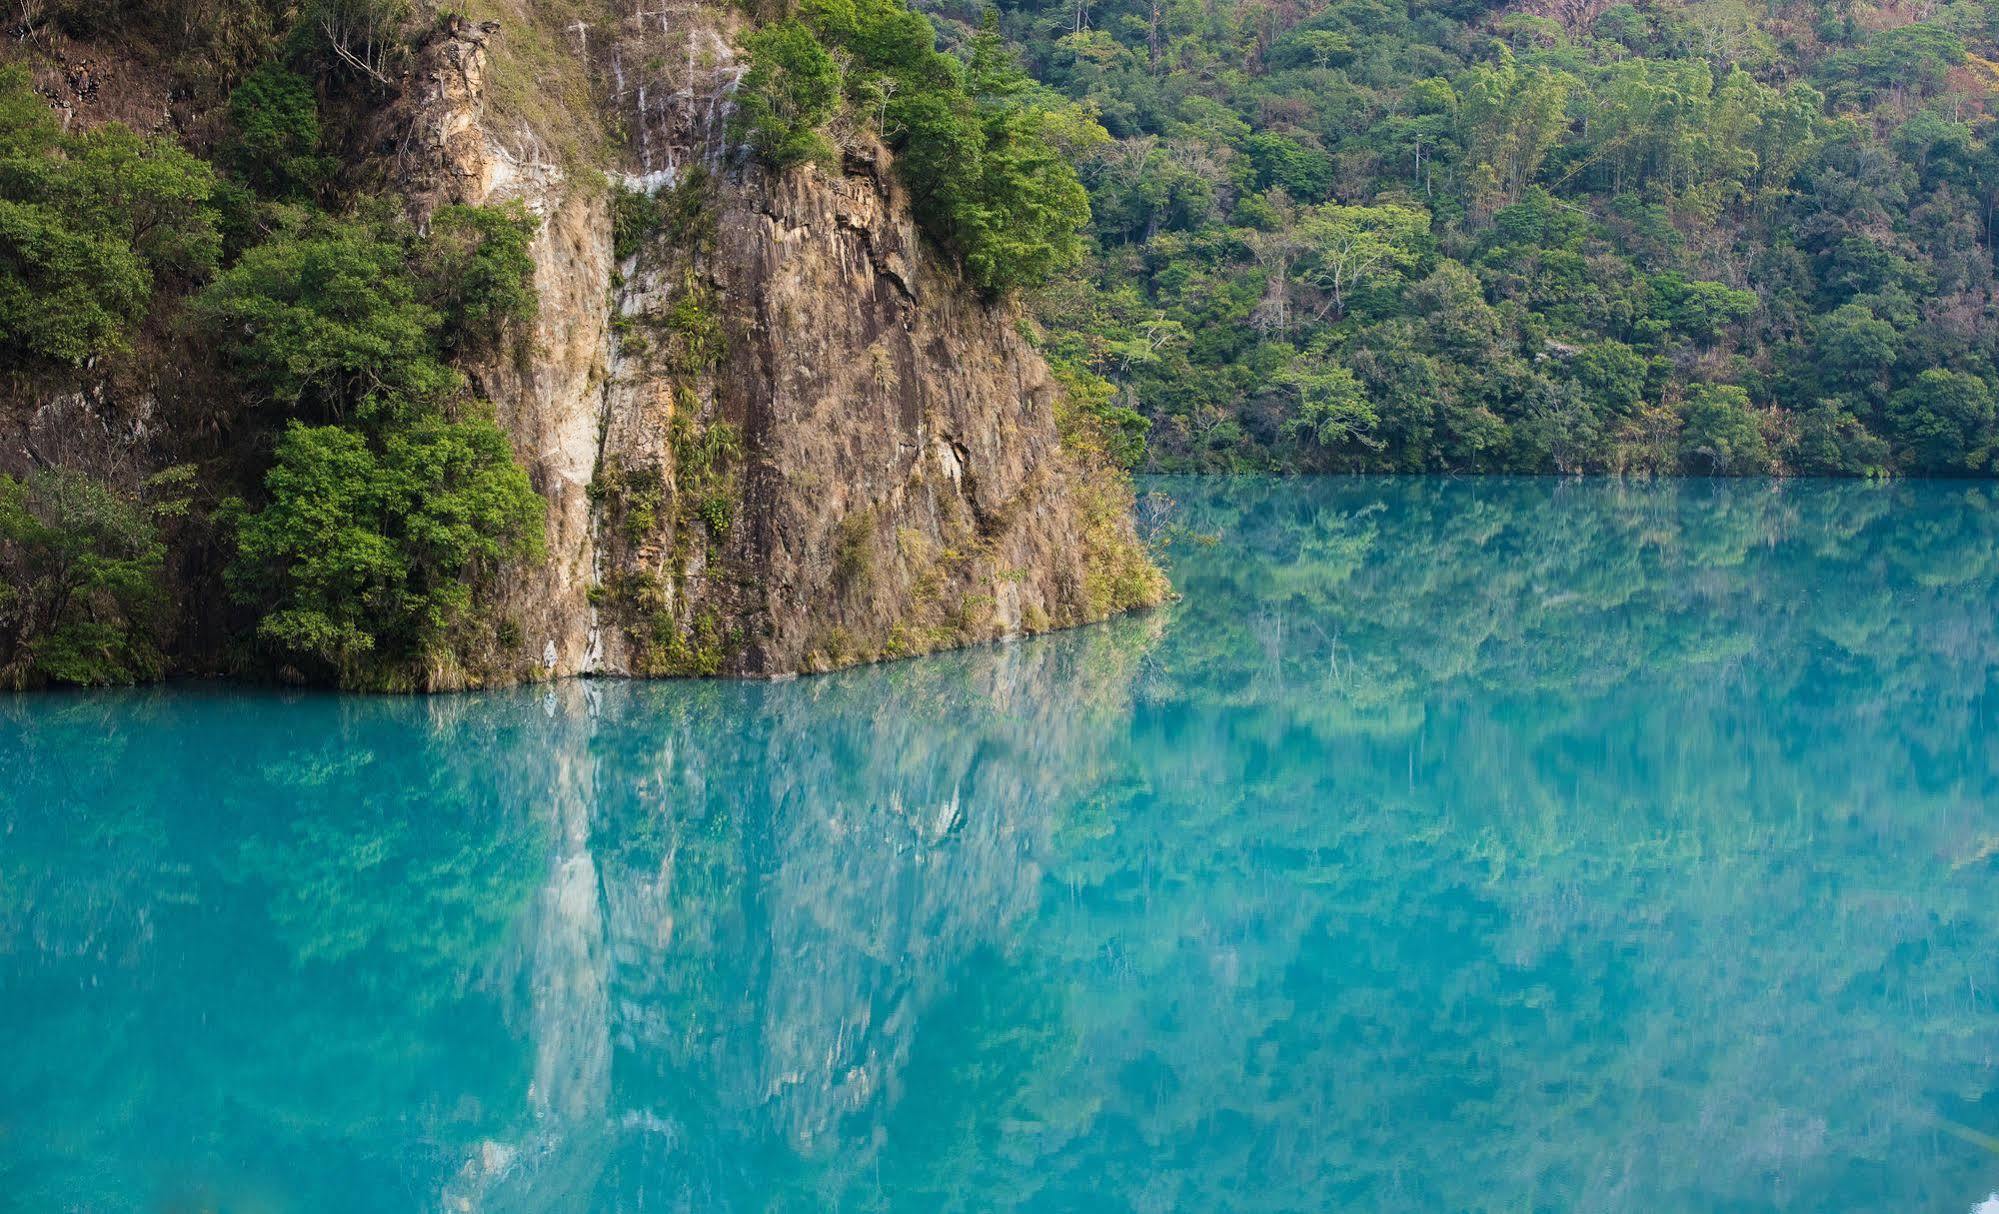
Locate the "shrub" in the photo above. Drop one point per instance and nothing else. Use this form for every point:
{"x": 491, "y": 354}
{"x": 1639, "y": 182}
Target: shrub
{"x": 476, "y": 271}
{"x": 326, "y": 321}
{"x": 635, "y": 215}
{"x": 275, "y": 146}
{"x": 1719, "y": 434}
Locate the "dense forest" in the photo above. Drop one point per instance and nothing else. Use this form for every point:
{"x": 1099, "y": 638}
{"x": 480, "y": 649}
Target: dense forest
{"x": 1568, "y": 236}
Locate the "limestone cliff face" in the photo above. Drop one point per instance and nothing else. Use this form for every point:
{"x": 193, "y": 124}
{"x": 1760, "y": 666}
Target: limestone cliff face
{"x": 775, "y": 432}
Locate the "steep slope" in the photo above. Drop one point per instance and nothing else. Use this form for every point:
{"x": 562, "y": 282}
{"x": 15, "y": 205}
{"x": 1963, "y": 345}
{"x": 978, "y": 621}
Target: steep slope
{"x": 775, "y": 433}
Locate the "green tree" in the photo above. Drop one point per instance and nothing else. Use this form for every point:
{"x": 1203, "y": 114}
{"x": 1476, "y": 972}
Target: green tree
{"x": 326, "y": 321}
{"x": 1945, "y": 422}
{"x": 365, "y": 557}
{"x": 377, "y": 535}
{"x": 1831, "y": 441}
{"x": 82, "y": 583}
{"x": 1702, "y": 311}
{"x": 1333, "y": 409}
{"x": 791, "y": 89}
{"x": 274, "y": 118}
{"x": 1719, "y": 433}
{"x": 1347, "y": 248}
{"x": 88, "y": 224}
{"x": 1509, "y": 118}
{"x": 474, "y": 269}
{"x": 989, "y": 159}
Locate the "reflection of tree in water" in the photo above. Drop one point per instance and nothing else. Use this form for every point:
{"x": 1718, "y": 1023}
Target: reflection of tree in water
{"x": 801, "y": 878}
{"x": 1614, "y": 848}
{"x": 239, "y": 940}
{"x": 1495, "y": 845}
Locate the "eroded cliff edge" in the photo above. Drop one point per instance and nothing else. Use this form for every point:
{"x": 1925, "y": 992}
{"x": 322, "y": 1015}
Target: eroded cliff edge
{"x": 775, "y": 431}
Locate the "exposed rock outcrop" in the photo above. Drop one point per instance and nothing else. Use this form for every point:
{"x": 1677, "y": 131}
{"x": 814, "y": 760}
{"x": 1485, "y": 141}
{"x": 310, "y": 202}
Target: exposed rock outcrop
{"x": 775, "y": 431}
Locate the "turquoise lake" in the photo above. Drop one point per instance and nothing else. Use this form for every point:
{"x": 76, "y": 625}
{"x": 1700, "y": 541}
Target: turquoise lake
{"x": 1479, "y": 845}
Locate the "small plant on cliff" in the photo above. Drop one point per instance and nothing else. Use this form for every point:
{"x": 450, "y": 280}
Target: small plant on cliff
{"x": 274, "y": 120}
{"x": 705, "y": 472}
{"x": 790, "y": 90}
{"x": 635, "y": 215}
{"x": 81, "y": 583}
{"x": 692, "y": 327}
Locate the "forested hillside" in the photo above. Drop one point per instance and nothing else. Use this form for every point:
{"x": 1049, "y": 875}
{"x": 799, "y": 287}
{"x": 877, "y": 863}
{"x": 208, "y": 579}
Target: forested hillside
{"x": 1567, "y": 236}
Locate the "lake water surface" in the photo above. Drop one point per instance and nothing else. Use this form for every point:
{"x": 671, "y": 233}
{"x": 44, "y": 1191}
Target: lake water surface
{"x": 1474, "y": 845}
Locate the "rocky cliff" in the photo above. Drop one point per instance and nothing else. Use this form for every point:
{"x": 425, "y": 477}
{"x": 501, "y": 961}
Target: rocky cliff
{"x": 775, "y": 431}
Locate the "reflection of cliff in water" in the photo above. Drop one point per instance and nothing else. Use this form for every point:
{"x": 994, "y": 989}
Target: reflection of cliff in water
{"x": 757, "y": 894}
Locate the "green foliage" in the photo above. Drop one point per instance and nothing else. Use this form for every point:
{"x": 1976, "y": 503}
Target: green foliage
{"x": 337, "y": 317}
{"x": 1564, "y": 225}
{"x": 325, "y": 321}
{"x": 635, "y": 215}
{"x": 82, "y": 592}
{"x": 692, "y": 329}
{"x": 89, "y": 225}
{"x": 680, "y": 214}
{"x": 1346, "y": 248}
{"x": 365, "y": 558}
{"x": 705, "y": 459}
{"x": 790, "y": 90}
{"x": 989, "y": 158}
{"x": 1333, "y": 409}
{"x": 1283, "y": 162}
{"x": 475, "y": 269}
{"x": 274, "y": 117}
{"x": 634, "y": 497}
{"x": 392, "y": 501}
{"x": 1509, "y": 119}
{"x": 1720, "y": 436}
{"x": 1946, "y": 422}
{"x": 1093, "y": 420}
{"x": 1701, "y": 311}
{"x": 202, "y": 44}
